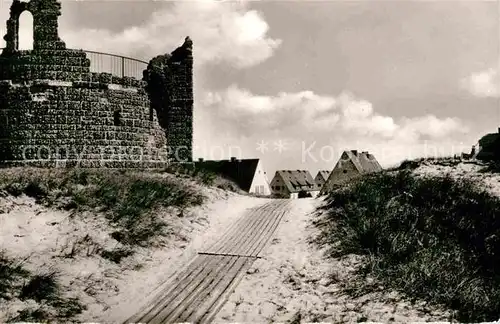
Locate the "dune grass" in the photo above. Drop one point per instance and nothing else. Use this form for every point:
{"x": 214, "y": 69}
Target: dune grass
{"x": 205, "y": 176}
{"x": 131, "y": 201}
{"x": 127, "y": 198}
{"x": 415, "y": 163}
{"x": 431, "y": 238}
{"x": 17, "y": 282}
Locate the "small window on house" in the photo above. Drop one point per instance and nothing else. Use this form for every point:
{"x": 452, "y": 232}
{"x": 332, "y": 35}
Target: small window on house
{"x": 345, "y": 171}
{"x": 117, "y": 118}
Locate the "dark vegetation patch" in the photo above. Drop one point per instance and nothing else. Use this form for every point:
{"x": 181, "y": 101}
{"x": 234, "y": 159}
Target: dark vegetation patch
{"x": 431, "y": 238}
{"x": 116, "y": 255}
{"x": 12, "y": 273}
{"x": 205, "y": 176}
{"x": 304, "y": 194}
{"x": 18, "y": 282}
{"x": 40, "y": 287}
{"x": 491, "y": 167}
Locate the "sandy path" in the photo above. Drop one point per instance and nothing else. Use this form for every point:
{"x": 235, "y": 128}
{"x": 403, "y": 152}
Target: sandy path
{"x": 197, "y": 292}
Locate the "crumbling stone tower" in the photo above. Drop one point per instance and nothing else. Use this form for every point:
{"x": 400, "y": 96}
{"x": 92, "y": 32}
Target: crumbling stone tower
{"x": 45, "y": 24}
{"x": 170, "y": 88}
{"x": 55, "y": 112}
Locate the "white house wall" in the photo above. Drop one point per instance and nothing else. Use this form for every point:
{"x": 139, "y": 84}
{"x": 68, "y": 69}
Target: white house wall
{"x": 260, "y": 179}
{"x": 314, "y": 193}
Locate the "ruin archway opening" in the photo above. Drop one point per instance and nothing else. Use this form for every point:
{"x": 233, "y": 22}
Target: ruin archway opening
{"x": 26, "y": 31}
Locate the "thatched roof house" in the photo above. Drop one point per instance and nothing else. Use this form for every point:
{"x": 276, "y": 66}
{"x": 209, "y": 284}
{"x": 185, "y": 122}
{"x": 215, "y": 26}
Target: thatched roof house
{"x": 289, "y": 183}
{"x": 351, "y": 164}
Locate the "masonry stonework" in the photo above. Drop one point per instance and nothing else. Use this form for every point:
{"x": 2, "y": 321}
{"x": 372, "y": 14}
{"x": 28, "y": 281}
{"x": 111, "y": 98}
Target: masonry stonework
{"x": 55, "y": 112}
{"x": 170, "y": 87}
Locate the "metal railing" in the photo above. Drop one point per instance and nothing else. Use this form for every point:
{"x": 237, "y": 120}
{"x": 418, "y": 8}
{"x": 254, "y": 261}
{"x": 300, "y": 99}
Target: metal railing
{"x": 117, "y": 65}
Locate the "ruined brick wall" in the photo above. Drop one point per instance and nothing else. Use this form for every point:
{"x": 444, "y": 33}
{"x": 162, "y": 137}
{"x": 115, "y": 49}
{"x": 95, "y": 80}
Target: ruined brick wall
{"x": 180, "y": 113}
{"x": 54, "y": 112}
{"x": 45, "y": 25}
{"x": 170, "y": 85}
{"x": 81, "y": 123}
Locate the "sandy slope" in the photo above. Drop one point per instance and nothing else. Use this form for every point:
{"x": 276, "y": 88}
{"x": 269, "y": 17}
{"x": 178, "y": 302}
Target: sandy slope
{"x": 489, "y": 181}
{"x": 112, "y": 292}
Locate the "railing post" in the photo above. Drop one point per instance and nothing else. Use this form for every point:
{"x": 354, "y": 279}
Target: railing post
{"x": 123, "y": 66}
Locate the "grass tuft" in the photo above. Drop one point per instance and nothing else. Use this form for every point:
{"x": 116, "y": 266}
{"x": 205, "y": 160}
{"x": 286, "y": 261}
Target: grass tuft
{"x": 40, "y": 314}
{"x": 116, "y": 255}
{"x": 432, "y": 238}
{"x": 17, "y": 282}
{"x": 40, "y": 288}
{"x": 11, "y": 273}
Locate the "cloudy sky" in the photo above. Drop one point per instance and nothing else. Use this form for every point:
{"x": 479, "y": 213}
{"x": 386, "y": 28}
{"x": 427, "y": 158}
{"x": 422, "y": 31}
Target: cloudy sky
{"x": 297, "y": 82}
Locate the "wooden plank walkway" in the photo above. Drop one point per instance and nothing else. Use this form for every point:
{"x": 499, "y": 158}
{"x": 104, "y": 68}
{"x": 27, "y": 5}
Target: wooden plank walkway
{"x": 199, "y": 291}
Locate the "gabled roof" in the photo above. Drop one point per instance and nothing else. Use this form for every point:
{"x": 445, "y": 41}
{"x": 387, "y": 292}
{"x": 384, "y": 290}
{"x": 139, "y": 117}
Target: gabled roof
{"x": 297, "y": 180}
{"x": 324, "y": 174}
{"x": 240, "y": 171}
{"x": 364, "y": 161}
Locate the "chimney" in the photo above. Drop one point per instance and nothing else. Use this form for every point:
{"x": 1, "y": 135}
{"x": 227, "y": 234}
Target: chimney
{"x": 355, "y": 152}
{"x": 200, "y": 160}
{"x": 233, "y": 159}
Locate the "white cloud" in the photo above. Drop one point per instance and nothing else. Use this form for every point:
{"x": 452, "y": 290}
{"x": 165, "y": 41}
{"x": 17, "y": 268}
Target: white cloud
{"x": 358, "y": 116}
{"x": 484, "y": 84}
{"x": 221, "y": 32}
{"x": 432, "y": 127}
{"x": 331, "y": 123}
{"x": 249, "y": 113}
{"x": 311, "y": 112}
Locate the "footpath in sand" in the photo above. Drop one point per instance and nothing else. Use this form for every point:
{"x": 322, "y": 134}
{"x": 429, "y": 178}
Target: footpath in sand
{"x": 198, "y": 292}
{"x": 295, "y": 281}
